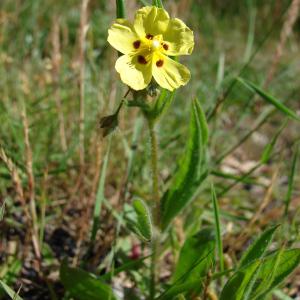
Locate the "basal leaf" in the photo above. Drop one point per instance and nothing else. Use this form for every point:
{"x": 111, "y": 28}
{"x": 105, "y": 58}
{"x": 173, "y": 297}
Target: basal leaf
{"x": 195, "y": 260}
{"x": 270, "y": 99}
{"x": 236, "y": 286}
{"x": 192, "y": 169}
{"x": 262, "y": 275}
{"x": 195, "y": 248}
{"x": 258, "y": 248}
{"x": 83, "y": 285}
{"x": 275, "y": 268}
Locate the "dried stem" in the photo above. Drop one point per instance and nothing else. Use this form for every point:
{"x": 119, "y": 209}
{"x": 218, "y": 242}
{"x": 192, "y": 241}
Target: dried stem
{"x": 15, "y": 178}
{"x": 56, "y": 61}
{"x": 82, "y": 35}
{"x": 292, "y": 16}
{"x": 31, "y": 183}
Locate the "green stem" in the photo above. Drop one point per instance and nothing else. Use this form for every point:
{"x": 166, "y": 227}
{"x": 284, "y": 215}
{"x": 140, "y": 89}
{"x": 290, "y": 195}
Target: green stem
{"x": 156, "y": 206}
{"x": 154, "y": 172}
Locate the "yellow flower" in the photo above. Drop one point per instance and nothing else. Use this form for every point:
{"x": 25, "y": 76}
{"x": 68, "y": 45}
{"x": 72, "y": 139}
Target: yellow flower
{"x": 147, "y": 45}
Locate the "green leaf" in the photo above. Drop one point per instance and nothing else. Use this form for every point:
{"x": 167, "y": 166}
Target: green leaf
{"x": 120, "y": 9}
{"x": 192, "y": 169}
{"x": 217, "y": 227}
{"x": 138, "y": 218}
{"x": 157, "y": 3}
{"x": 161, "y": 105}
{"x": 275, "y": 268}
{"x": 270, "y": 146}
{"x": 100, "y": 194}
{"x": 270, "y": 99}
{"x": 10, "y": 292}
{"x": 236, "y": 286}
{"x": 195, "y": 260}
{"x": 291, "y": 182}
{"x": 262, "y": 275}
{"x": 179, "y": 288}
{"x": 83, "y": 285}
{"x": 194, "y": 249}
{"x": 258, "y": 248}
{"x": 131, "y": 265}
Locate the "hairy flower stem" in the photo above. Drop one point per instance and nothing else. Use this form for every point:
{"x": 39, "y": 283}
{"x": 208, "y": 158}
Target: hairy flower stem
{"x": 156, "y": 205}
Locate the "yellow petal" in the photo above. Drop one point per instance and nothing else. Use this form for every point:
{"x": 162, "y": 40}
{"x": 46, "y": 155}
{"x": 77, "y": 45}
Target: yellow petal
{"x": 168, "y": 73}
{"x": 133, "y": 73}
{"x": 122, "y": 35}
{"x": 151, "y": 20}
{"x": 179, "y": 38}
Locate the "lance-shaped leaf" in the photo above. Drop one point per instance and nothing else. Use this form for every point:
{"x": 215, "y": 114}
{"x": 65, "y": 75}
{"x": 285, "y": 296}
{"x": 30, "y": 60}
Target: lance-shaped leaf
{"x": 196, "y": 258}
{"x": 83, "y": 285}
{"x": 275, "y": 268}
{"x": 258, "y": 248}
{"x": 236, "y": 287}
{"x": 192, "y": 169}
{"x": 261, "y": 275}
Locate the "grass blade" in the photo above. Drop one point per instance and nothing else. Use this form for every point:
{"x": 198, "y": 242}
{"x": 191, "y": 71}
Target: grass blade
{"x": 291, "y": 180}
{"x": 270, "y": 99}
{"x": 12, "y": 294}
{"x": 217, "y": 227}
{"x": 100, "y": 194}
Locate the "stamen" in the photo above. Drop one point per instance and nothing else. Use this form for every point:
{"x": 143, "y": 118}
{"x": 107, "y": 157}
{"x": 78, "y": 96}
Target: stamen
{"x": 137, "y": 44}
{"x": 149, "y": 36}
{"x": 142, "y": 60}
{"x": 166, "y": 46}
{"x": 160, "y": 63}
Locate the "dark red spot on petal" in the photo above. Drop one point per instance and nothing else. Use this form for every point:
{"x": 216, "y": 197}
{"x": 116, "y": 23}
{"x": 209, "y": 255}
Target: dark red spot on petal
{"x": 137, "y": 44}
{"x": 142, "y": 60}
{"x": 149, "y": 36}
{"x": 160, "y": 63}
{"x": 166, "y": 46}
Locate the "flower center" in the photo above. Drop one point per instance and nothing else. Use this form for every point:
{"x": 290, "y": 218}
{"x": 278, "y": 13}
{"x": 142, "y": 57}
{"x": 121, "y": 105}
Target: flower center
{"x": 155, "y": 45}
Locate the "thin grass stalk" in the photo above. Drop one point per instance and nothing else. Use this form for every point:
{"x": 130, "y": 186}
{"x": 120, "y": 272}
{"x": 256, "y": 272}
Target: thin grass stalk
{"x": 31, "y": 183}
{"x": 56, "y": 61}
{"x": 82, "y": 35}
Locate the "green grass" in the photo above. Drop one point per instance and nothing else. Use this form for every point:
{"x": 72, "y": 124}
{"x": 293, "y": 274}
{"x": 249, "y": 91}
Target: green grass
{"x": 233, "y": 40}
